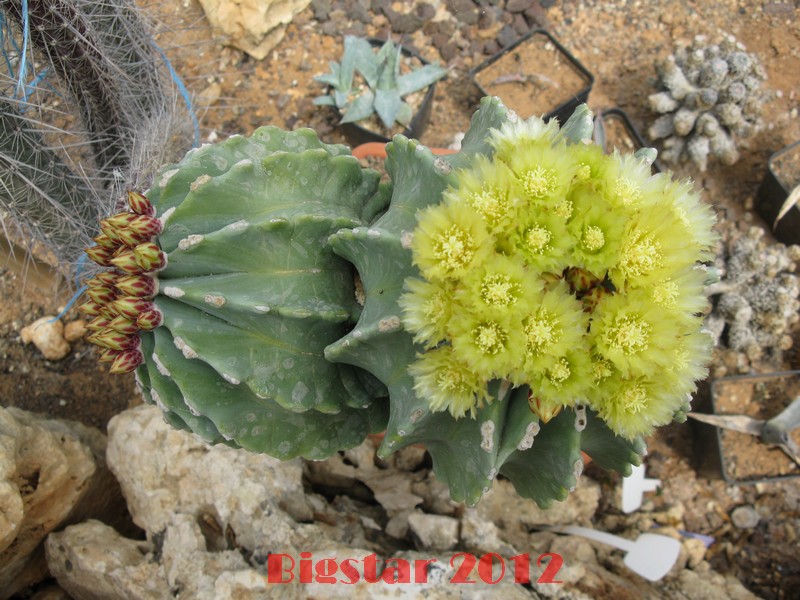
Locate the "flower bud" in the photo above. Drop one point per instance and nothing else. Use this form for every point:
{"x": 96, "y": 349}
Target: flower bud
{"x": 126, "y": 361}
{"x": 149, "y": 319}
{"x": 123, "y": 324}
{"x": 131, "y": 307}
{"x": 140, "y": 204}
{"x": 140, "y": 286}
{"x": 101, "y": 294}
{"x": 149, "y": 256}
{"x": 100, "y": 255}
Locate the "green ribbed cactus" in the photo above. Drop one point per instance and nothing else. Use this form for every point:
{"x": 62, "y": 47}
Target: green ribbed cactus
{"x": 272, "y": 294}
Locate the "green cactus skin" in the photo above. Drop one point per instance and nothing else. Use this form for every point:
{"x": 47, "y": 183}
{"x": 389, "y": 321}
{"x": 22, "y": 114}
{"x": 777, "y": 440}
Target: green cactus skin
{"x": 264, "y": 346}
{"x": 252, "y": 294}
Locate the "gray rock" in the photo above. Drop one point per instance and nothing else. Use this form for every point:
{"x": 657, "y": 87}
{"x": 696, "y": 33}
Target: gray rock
{"x": 507, "y": 36}
{"x": 464, "y": 10}
{"x": 745, "y": 517}
{"x": 321, "y": 8}
{"x": 433, "y": 532}
{"x": 518, "y": 6}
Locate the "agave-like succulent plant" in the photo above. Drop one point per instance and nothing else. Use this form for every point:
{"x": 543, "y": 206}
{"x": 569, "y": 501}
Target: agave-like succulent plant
{"x": 507, "y": 306}
{"x": 367, "y": 82}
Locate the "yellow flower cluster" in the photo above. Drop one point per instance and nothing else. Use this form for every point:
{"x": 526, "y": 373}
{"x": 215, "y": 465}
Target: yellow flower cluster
{"x": 556, "y": 266}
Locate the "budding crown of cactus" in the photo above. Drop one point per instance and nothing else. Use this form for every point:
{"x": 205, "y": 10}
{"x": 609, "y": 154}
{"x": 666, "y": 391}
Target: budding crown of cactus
{"x": 507, "y": 306}
{"x": 557, "y": 267}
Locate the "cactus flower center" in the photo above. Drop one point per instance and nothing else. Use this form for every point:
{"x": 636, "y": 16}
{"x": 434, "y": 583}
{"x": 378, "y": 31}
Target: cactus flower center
{"x": 491, "y": 205}
{"x": 593, "y": 238}
{"x": 641, "y": 255}
{"x": 628, "y": 334}
{"x": 541, "y": 331}
{"x": 602, "y": 369}
{"x": 538, "y": 238}
{"x": 454, "y": 248}
{"x": 633, "y": 399}
{"x": 489, "y": 337}
{"x": 559, "y": 372}
{"x": 628, "y": 191}
{"x": 539, "y": 182}
{"x": 499, "y": 290}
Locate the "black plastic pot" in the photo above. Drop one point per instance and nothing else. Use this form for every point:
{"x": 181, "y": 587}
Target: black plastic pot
{"x": 772, "y": 194}
{"x": 357, "y": 134}
{"x": 619, "y": 116}
{"x": 561, "y": 111}
{"x": 744, "y": 380}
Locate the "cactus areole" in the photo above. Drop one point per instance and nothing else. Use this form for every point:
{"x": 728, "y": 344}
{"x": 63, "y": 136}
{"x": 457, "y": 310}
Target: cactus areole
{"x": 506, "y": 306}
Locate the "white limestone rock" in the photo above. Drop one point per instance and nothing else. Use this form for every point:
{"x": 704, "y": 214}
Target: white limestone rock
{"x": 92, "y": 561}
{"x": 51, "y": 473}
{"x": 255, "y": 26}
{"x": 165, "y": 472}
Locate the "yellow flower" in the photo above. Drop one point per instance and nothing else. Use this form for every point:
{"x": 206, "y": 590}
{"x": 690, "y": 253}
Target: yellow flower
{"x": 517, "y": 134}
{"x": 556, "y": 325}
{"x": 448, "y": 383}
{"x": 567, "y": 380}
{"x": 498, "y": 284}
{"x": 542, "y": 240}
{"x": 597, "y": 229}
{"x": 635, "y": 406}
{"x": 488, "y": 188}
{"x": 427, "y": 308}
{"x": 449, "y": 239}
{"x": 489, "y": 342}
{"x": 636, "y": 335}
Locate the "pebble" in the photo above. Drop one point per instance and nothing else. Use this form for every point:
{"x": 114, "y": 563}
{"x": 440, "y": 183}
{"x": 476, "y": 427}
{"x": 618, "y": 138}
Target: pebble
{"x": 745, "y": 517}
{"x": 696, "y": 551}
{"x": 47, "y": 334}
{"x": 75, "y": 330}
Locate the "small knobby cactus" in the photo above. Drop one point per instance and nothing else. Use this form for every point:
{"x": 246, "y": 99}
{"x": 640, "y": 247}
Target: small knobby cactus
{"x": 711, "y": 94}
{"x": 507, "y": 306}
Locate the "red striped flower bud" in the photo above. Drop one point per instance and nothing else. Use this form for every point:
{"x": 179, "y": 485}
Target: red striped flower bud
{"x": 150, "y": 319}
{"x": 108, "y": 355}
{"x": 105, "y": 241}
{"x": 101, "y": 255}
{"x": 131, "y": 307}
{"x": 149, "y": 256}
{"x": 140, "y": 204}
{"x": 118, "y": 221}
{"x": 123, "y": 324}
{"x": 98, "y": 323}
{"x": 126, "y": 262}
{"x": 90, "y": 309}
{"x": 100, "y": 294}
{"x": 108, "y": 338}
{"x": 145, "y": 226}
{"x": 126, "y": 362}
{"x": 140, "y": 286}
{"x": 104, "y": 278}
